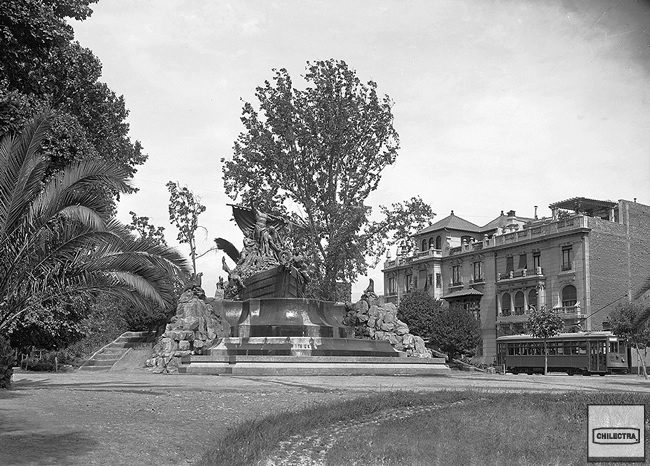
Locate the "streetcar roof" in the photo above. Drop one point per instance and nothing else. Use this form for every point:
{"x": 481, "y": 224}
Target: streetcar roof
{"x": 561, "y": 336}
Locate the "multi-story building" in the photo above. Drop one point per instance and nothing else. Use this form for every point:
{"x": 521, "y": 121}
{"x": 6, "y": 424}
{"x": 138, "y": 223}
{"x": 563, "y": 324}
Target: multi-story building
{"x": 583, "y": 261}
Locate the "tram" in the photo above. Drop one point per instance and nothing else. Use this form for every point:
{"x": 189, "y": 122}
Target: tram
{"x": 574, "y": 353}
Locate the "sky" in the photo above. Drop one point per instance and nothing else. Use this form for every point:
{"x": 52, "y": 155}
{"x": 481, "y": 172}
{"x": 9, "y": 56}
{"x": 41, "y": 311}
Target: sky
{"x": 500, "y": 105}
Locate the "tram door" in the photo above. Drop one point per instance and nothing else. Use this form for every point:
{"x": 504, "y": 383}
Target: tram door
{"x": 597, "y": 356}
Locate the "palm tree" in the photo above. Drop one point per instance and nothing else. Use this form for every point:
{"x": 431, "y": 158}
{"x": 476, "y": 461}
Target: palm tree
{"x": 57, "y": 238}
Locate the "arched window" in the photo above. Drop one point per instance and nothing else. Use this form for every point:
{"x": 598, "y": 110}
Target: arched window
{"x": 431, "y": 243}
{"x": 532, "y": 298}
{"x": 519, "y": 303}
{"x": 424, "y": 245}
{"x": 505, "y": 304}
{"x": 438, "y": 242}
{"x": 569, "y": 296}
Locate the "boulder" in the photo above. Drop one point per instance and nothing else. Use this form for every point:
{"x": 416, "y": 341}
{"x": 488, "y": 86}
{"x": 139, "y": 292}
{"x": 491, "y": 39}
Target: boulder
{"x": 193, "y": 330}
{"x": 376, "y": 321}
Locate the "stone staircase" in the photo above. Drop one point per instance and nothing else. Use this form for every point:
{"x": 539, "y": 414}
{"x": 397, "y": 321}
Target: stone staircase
{"x": 106, "y": 357}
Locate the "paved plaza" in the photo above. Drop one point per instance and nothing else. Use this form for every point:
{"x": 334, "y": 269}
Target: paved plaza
{"x": 136, "y": 417}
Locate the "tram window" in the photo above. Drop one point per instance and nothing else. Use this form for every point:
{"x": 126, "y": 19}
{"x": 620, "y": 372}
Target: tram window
{"x": 552, "y": 349}
{"x": 560, "y": 347}
{"x": 613, "y": 346}
{"x": 511, "y": 350}
{"x": 582, "y": 347}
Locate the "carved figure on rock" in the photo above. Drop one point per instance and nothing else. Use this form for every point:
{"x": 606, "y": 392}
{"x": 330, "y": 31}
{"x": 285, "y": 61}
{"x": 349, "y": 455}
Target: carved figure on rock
{"x": 265, "y": 250}
{"x": 263, "y": 228}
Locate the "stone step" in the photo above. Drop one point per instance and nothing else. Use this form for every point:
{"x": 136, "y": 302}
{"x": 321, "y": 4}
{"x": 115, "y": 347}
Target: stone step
{"x": 113, "y": 352}
{"x": 123, "y": 339}
{"x": 136, "y": 334}
{"x": 108, "y": 356}
{"x": 120, "y": 344}
{"x": 101, "y": 362}
{"x": 94, "y": 368}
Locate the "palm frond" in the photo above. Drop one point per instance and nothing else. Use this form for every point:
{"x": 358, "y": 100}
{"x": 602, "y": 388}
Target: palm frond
{"x": 85, "y": 215}
{"x": 57, "y": 240}
{"x": 77, "y": 185}
{"x": 22, "y": 172}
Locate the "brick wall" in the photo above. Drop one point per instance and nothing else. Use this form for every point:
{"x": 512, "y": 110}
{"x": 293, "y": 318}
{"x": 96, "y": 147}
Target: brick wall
{"x": 619, "y": 258}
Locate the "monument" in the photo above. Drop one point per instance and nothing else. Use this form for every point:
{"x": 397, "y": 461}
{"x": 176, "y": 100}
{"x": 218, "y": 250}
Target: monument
{"x": 274, "y": 329}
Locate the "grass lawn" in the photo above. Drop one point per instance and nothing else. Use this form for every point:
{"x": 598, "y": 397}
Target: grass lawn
{"x": 471, "y": 428}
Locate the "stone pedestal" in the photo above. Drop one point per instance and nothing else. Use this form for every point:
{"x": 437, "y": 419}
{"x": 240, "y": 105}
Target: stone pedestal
{"x": 299, "y": 336}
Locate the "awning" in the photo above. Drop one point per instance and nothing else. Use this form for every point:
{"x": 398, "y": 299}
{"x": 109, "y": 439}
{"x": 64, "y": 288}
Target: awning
{"x": 463, "y": 293}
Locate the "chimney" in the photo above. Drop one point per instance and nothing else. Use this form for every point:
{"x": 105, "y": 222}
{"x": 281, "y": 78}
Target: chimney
{"x": 535, "y": 212}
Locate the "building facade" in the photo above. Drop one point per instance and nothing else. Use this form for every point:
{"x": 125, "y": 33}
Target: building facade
{"x": 583, "y": 261}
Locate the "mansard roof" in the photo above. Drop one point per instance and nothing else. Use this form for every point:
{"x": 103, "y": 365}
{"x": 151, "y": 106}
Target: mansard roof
{"x": 451, "y": 222}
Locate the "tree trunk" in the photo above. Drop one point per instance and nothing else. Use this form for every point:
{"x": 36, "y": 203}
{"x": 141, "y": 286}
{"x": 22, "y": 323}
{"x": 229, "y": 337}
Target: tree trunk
{"x": 545, "y": 358}
{"x": 640, "y": 363}
{"x": 645, "y": 371}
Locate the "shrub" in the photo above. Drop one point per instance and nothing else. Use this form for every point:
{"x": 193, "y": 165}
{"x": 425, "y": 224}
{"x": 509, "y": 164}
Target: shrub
{"x": 418, "y": 310}
{"x": 456, "y": 331}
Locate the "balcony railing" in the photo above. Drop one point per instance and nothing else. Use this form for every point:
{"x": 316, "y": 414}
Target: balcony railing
{"x": 512, "y": 316}
{"x": 509, "y": 315}
{"x": 568, "y": 310}
{"x": 524, "y": 273}
{"x": 427, "y": 254}
{"x": 414, "y": 257}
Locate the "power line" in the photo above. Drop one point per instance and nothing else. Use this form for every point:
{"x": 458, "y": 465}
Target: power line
{"x": 609, "y": 304}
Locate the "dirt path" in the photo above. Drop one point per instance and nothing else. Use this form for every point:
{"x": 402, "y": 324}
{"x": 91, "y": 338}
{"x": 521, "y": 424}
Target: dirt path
{"x": 140, "y": 418}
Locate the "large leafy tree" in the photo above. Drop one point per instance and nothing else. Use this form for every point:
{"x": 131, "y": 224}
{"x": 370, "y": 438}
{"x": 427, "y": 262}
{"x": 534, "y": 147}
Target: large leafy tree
{"x": 316, "y": 154}
{"x": 42, "y": 66}
{"x": 57, "y": 238}
{"x": 544, "y": 324}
